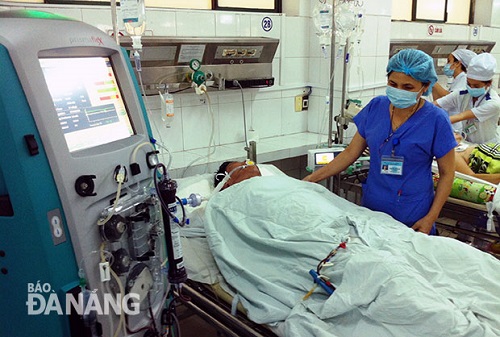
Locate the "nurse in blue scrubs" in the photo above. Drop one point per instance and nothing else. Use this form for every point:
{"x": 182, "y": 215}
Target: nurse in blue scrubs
{"x": 404, "y": 133}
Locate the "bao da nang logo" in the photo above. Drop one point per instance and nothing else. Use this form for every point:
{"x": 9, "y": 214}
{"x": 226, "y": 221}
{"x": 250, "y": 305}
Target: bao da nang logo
{"x": 42, "y": 300}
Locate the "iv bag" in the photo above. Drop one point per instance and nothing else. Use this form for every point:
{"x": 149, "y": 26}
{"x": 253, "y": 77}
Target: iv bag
{"x": 323, "y": 20}
{"x": 133, "y": 16}
{"x": 167, "y": 108}
{"x": 346, "y": 21}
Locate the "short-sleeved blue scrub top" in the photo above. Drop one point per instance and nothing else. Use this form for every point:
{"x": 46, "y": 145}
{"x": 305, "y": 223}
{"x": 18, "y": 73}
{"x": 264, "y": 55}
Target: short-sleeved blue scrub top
{"x": 425, "y": 135}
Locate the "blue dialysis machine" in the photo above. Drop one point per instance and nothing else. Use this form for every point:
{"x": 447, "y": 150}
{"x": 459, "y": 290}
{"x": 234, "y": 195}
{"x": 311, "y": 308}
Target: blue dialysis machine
{"x": 82, "y": 237}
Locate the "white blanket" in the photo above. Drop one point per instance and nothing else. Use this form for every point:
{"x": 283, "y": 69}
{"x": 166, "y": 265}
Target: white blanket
{"x": 266, "y": 233}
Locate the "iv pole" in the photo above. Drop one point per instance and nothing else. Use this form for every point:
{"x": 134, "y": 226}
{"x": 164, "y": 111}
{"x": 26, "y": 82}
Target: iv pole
{"x": 114, "y": 21}
{"x": 332, "y": 80}
{"x": 341, "y": 122}
{"x": 329, "y": 182}
{"x": 334, "y": 186}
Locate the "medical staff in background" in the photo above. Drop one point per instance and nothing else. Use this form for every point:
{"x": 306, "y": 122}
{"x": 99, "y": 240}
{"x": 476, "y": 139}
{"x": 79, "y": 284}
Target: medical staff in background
{"x": 456, "y": 69}
{"x": 479, "y": 104}
{"x": 404, "y": 133}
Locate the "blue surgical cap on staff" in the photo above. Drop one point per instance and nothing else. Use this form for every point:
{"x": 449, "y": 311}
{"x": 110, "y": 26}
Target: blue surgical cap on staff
{"x": 416, "y": 64}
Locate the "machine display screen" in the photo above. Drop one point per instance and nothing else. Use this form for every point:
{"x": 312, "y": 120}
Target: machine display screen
{"x": 323, "y": 158}
{"x": 87, "y": 100}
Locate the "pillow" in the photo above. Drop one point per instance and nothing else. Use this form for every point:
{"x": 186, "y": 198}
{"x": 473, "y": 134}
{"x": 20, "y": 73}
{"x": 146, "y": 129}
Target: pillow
{"x": 467, "y": 190}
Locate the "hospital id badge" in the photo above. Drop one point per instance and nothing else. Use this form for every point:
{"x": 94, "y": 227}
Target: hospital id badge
{"x": 470, "y": 129}
{"x": 392, "y": 165}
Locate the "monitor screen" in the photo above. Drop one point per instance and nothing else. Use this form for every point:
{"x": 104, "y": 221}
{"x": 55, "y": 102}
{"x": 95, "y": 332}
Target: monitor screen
{"x": 87, "y": 100}
{"x": 323, "y": 158}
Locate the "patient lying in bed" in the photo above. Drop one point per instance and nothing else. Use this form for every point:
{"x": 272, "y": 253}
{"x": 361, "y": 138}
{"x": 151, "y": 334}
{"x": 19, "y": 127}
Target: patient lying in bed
{"x": 481, "y": 161}
{"x": 238, "y": 171}
{"x": 266, "y": 233}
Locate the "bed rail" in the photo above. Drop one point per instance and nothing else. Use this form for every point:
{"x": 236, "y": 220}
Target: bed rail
{"x": 205, "y": 304}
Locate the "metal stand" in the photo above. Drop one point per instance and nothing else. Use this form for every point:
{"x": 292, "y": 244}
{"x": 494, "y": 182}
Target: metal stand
{"x": 252, "y": 151}
{"x": 329, "y": 181}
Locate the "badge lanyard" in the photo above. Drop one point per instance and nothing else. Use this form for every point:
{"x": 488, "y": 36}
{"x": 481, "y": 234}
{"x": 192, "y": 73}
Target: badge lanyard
{"x": 392, "y": 165}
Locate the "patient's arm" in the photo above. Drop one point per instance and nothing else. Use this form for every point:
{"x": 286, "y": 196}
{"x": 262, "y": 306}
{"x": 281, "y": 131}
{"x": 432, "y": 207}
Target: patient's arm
{"x": 493, "y": 178}
{"x": 462, "y": 161}
{"x": 462, "y": 166}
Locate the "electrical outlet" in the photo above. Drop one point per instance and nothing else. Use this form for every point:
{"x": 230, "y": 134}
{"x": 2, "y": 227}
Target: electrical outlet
{"x": 298, "y": 103}
{"x": 305, "y": 103}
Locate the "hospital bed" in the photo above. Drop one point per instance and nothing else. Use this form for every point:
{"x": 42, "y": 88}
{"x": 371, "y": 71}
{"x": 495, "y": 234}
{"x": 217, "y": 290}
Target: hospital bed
{"x": 465, "y": 215}
{"x": 471, "y": 211}
{"x": 214, "y": 296}
{"x": 210, "y": 297}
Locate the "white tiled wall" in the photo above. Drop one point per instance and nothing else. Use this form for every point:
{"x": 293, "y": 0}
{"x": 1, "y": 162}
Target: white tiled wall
{"x": 194, "y": 23}
{"x": 492, "y": 34}
{"x": 298, "y": 63}
{"x": 418, "y": 31}
{"x": 163, "y": 22}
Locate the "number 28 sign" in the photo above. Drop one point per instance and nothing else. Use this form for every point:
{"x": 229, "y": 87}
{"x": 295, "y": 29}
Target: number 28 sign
{"x": 267, "y": 24}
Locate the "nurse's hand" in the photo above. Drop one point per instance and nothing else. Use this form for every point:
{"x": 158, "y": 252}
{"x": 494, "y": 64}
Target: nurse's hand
{"x": 423, "y": 225}
{"x": 308, "y": 178}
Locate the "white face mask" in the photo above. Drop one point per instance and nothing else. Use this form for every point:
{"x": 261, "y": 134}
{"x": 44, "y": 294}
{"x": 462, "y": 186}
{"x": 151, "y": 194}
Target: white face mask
{"x": 402, "y": 98}
{"x": 447, "y": 70}
{"x": 476, "y": 92}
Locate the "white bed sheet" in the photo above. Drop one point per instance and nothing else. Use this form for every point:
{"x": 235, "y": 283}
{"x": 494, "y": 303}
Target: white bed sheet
{"x": 199, "y": 262}
{"x": 198, "y": 259}
{"x": 267, "y": 233}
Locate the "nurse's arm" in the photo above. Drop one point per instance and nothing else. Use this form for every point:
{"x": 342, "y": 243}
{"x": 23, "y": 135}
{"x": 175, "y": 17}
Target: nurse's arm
{"x": 464, "y": 115}
{"x": 342, "y": 161}
{"x": 438, "y": 91}
{"x": 446, "y": 166}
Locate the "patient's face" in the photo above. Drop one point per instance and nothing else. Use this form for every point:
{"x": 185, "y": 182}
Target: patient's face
{"x": 241, "y": 174}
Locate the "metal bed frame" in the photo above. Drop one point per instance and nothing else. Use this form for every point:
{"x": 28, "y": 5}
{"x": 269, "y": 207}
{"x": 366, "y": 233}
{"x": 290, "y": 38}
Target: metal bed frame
{"x": 207, "y": 305}
{"x": 467, "y": 212}
{"x": 467, "y": 221}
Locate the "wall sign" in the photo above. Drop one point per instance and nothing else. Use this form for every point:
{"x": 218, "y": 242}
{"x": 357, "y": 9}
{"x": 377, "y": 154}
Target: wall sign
{"x": 434, "y": 30}
{"x": 267, "y": 24}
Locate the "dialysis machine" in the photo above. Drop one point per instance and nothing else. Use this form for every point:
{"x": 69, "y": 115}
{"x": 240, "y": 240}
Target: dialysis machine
{"x": 82, "y": 239}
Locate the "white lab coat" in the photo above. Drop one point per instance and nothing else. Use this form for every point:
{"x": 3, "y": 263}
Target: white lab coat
{"x": 486, "y": 109}
{"x": 459, "y": 83}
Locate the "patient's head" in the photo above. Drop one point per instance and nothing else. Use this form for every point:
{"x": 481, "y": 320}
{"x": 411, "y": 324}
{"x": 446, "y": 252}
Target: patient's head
{"x": 240, "y": 171}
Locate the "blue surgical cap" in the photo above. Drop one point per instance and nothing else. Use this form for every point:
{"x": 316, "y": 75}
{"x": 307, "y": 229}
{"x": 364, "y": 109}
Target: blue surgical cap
{"x": 416, "y": 64}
